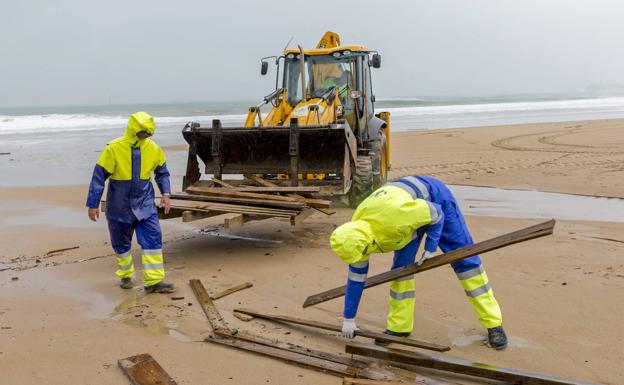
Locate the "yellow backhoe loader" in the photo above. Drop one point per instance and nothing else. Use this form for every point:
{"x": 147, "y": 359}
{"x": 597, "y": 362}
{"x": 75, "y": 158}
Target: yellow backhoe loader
{"x": 321, "y": 129}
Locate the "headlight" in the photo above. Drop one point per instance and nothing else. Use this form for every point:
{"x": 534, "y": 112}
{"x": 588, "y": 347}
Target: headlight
{"x": 336, "y": 54}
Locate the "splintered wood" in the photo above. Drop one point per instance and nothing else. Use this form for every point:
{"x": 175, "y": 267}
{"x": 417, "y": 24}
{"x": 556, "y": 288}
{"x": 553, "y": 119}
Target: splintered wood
{"x": 143, "y": 369}
{"x": 213, "y": 315}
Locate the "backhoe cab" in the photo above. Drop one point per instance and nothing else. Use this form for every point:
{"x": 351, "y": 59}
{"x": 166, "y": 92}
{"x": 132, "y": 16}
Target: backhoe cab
{"x": 321, "y": 128}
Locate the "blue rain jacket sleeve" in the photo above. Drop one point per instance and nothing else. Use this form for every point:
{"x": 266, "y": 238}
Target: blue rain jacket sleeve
{"x": 161, "y": 175}
{"x": 434, "y": 230}
{"x": 96, "y": 187}
{"x": 355, "y": 286}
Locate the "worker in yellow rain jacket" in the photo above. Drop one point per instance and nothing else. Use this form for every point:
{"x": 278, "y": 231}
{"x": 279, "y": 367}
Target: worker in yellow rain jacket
{"x": 396, "y": 217}
{"x": 128, "y": 163}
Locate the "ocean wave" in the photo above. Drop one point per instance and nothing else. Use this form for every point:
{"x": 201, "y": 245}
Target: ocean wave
{"x": 585, "y": 105}
{"x": 90, "y": 122}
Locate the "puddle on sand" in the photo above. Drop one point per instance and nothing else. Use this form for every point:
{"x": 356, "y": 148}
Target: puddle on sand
{"x": 487, "y": 201}
{"x": 155, "y": 313}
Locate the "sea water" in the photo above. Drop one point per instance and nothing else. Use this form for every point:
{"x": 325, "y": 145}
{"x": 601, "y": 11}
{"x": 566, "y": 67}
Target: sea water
{"x": 59, "y": 145}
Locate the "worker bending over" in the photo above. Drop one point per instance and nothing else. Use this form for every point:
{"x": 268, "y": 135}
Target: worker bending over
{"x": 396, "y": 217}
{"x": 129, "y": 161}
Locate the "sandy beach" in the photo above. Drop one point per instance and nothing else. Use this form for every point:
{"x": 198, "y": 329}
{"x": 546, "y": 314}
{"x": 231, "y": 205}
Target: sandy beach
{"x": 64, "y": 320}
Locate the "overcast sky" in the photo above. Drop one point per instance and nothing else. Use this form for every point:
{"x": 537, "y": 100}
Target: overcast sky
{"x": 68, "y": 52}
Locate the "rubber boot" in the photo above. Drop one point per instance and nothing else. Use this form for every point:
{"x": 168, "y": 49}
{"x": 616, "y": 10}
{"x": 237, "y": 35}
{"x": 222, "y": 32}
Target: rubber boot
{"x": 126, "y": 283}
{"x": 160, "y": 287}
{"x": 497, "y": 338}
{"x": 391, "y": 333}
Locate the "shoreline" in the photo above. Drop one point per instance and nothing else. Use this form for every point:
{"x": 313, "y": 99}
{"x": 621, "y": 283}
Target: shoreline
{"x": 68, "y": 303}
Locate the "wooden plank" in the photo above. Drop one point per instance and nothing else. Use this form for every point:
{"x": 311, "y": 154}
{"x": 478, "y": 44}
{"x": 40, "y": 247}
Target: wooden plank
{"x": 348, "y": 361}
{"x": 323, "y": 361}
{"x": 297, "y": 219}
{"x": 214, "y": 318}
{"x": 190, "y": 216}
{"x": 241, "y": 201}
{"x": 143, "y": 369}
{"x": 460, "y": 366}
{"x": 264, "y": 190}
{"x": 363, "y": 381}
{"x": 222, "y": 183}
{"x": 225, "y": 192}
{"x": 531, "y": 232}
{"x": 319, "y": 204}
{"x": 329, "y": 367}
{"x": 337, "y": 328}
{"x": 231, "y": 290}
{"x": 228, "y": 208}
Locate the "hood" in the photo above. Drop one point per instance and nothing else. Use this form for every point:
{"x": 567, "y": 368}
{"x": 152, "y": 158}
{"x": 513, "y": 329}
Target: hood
{"x": 352, "y": 241}
{"x": 140, "y": 121}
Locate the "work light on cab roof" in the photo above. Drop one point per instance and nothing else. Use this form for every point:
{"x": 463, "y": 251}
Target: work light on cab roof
{"x": 320, "y": 128}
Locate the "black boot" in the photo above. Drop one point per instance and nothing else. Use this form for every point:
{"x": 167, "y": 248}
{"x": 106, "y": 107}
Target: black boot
{"x": 391, "y": 333}
{"x": 126, "y": 283}
{"x": 160, "y": 287}
{"x": 497, "y": 338}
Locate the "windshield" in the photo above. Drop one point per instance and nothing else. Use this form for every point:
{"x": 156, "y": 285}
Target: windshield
{"x": 322, "y": 73}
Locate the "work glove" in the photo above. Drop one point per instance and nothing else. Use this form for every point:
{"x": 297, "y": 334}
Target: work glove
{"x": 425, "y": 255}
{"x": 349, "y": 328}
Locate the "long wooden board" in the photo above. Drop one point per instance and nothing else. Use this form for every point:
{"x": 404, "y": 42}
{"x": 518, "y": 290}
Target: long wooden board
{"x": 337, "y": 328}
{"x": 214, "y": 317}
{"x": 330, "y": 367}
{"x": 323, "y": 361}
{"x": 225, "y": 192}
{"x": 460, "y": 366}
{"x": 224, "y": 208}
{"x": 528, "y": 233}
{"x": 240, "y": 201}
{"x": 348, "y": 361}
{"x": 274, "y": 189}
{"x": 143, "y": 369}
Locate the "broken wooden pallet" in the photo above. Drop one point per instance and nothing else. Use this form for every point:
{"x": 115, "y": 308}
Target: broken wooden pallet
{"x": 266, "y": 183}
{"x": 531, "y": 232}
{"x": 143, "y": 369}
{"x": 337, "y": 328}
{"x": 455, "y": 365}
{"x": 212, "y": 191}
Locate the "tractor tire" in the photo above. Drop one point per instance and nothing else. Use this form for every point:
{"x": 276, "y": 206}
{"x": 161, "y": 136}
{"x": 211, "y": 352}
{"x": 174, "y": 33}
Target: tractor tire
{"x": 380, "y": 161}
{"x": 362, "y": 184}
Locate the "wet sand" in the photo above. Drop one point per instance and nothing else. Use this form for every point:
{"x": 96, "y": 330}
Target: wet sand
{"x": 64, "y": 320}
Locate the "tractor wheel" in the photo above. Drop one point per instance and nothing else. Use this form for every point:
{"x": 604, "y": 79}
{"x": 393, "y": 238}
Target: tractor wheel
{"x": 380, "y": 161}
{"x": 362, "y": 184}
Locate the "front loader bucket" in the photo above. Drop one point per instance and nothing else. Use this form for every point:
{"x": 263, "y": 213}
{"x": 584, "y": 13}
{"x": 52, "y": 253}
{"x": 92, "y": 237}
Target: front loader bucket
{"x": 290, "y": 150}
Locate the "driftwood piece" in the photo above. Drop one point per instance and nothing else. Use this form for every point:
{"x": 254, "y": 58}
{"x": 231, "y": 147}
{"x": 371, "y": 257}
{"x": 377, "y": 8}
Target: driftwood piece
{"x": 231, "y": 290}
{"x": 460, "y": 366}
{"x": 214, "y": 318}
{"x": 264, "y": 190}
{"x": 532, "y": 232}
{"x": 143, "y": 369}
{"x": 60, "y": 250}
{"x": 337, "y": 328}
